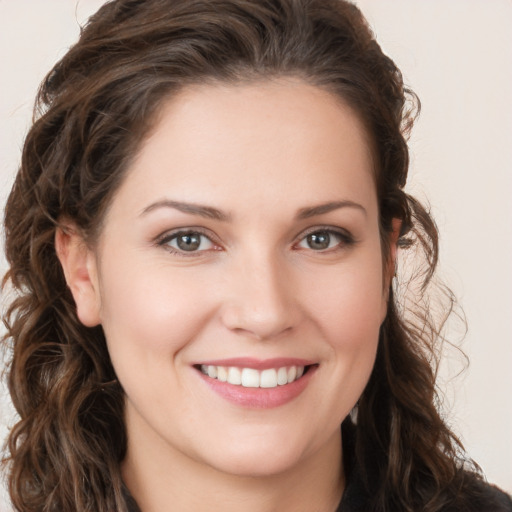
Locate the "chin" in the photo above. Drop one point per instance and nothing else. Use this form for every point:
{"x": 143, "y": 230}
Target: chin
{"x": 257, "y": 465}
{"x": 264, "y": 453}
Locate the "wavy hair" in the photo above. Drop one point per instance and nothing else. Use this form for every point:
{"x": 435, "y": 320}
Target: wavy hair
{"x": 92, "y": 113}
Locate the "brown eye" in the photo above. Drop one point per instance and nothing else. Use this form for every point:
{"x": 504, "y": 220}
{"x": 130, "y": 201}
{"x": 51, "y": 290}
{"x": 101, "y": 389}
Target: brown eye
{"x": 325, "y": 239}
{"x": 319, "y": 241}
{"x": 188, "y": 241}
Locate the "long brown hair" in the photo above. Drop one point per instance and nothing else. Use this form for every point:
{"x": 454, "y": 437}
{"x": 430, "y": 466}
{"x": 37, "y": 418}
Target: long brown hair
{"x": 93, "y": 110}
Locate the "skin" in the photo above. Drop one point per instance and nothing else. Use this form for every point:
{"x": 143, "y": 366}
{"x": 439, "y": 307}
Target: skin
{"x": 260, "y": 154}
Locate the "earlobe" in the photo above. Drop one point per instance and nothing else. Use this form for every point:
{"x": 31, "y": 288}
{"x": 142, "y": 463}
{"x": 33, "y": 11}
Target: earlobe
{"x": 79, "y": 266}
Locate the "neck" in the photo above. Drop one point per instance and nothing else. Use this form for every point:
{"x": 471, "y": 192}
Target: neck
{"x": 161, "y": 475}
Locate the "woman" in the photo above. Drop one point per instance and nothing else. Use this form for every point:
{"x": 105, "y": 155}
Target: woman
{"x": 204, "y": 234}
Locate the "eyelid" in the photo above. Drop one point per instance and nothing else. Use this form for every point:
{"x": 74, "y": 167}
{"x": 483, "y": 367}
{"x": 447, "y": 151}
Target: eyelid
{"x": 346, "y": 236}
{"x": 164, "y": 238}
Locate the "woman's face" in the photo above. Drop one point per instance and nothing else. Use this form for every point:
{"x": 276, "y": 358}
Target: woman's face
{"x": 243, "y": 245}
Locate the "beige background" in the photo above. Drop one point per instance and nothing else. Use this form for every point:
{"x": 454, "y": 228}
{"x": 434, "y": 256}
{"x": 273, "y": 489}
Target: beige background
{"x": 457, "y": 55}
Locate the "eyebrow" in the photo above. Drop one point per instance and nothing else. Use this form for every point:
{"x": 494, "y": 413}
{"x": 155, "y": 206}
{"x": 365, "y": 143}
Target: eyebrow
{"x": 312, "y": 211}
{"x": 213, "y": 213}
{"x": 195, "y": 209}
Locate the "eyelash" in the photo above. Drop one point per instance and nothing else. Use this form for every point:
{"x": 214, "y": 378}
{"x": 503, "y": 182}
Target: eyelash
{"x": 345, "y": 240}
{"x": 165, "y": 239}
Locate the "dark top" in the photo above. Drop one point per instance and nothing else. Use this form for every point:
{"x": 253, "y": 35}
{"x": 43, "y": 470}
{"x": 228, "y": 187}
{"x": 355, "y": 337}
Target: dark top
{"x": 356, "y": 496}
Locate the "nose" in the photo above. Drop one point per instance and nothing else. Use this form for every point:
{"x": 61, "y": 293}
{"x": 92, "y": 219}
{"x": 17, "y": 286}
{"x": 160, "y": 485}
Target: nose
{"x": 261, "y": 302}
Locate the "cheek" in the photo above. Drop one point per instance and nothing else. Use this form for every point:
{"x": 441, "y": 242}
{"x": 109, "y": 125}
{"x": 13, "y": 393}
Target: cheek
{"x": 354, "y": 339}
{"x": 149, "y": 313}
{"x": 350, "y": 302}
{"x": 348, "y": 308}
{"x": 352, "y": 324}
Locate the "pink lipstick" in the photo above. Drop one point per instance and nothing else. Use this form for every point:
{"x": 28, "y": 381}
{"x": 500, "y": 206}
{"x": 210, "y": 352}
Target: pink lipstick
{"x": 255, "y": 383}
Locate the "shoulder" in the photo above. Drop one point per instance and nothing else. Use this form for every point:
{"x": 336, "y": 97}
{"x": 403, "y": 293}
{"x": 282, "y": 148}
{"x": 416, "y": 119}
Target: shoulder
{"x": 476, "y": 495}
{"x": 491, "y": 499}
{"x": 479, "y": 497}
{"x": 504, "y": 500}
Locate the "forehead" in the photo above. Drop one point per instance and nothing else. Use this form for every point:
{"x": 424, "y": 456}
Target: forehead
{"x": 253, "y": 145}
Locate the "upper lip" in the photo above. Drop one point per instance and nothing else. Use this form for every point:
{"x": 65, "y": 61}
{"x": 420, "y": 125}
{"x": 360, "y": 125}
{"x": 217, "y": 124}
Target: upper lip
{"x": 257, "y": 364}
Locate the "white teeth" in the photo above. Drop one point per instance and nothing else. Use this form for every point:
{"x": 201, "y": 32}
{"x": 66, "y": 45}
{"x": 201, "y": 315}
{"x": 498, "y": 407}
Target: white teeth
{"x": 282, "y": 376}
{"x": 292, "y": 374}
{"x": 268, "y": 378}
{"x": 251, "y": 378}
{"x": 222, "y": 374}
{"x": 235, "y": 376}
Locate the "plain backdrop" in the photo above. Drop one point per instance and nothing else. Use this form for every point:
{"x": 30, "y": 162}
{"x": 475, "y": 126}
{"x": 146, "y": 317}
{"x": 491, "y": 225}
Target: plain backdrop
{"x": 457, "y": 56}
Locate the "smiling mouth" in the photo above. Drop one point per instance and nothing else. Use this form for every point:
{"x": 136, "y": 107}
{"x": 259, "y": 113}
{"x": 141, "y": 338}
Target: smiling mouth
{"x": 253, "y": 378}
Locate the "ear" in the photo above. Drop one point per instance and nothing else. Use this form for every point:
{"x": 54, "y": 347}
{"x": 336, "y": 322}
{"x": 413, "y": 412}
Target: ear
{"x": 80, "y": 270}
{"x": 396, "y": 225}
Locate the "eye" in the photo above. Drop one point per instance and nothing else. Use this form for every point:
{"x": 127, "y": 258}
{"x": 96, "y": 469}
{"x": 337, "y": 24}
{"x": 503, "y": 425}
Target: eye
{"x": 187, "y": 242}
{"x": 324, "y": 239}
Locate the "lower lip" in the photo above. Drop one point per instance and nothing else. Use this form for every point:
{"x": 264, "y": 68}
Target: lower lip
{"x": 259, "y": 398}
